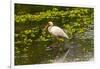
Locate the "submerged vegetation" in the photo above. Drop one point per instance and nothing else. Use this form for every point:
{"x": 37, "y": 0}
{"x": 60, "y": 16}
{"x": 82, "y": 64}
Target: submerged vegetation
{"x": 32, "y": 43}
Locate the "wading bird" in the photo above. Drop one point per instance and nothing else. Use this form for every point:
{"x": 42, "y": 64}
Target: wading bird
{"x": 56, "y": 31}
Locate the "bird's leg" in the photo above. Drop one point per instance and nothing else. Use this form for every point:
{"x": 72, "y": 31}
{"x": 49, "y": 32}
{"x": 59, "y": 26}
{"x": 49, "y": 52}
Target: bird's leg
{"x": 58, "y": 48}
{"x": 55, "y": 47}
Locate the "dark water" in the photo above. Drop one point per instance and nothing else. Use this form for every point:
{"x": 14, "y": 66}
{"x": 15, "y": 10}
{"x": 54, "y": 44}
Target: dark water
{"x": 52, "y": 51}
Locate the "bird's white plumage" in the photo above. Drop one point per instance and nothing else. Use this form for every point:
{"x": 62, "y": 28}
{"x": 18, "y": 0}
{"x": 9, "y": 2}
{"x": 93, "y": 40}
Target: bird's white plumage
{"x": 57, "y": 31}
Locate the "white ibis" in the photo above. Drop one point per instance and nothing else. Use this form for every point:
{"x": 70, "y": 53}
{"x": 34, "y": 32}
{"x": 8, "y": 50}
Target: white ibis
{"x": 56, "y": 31}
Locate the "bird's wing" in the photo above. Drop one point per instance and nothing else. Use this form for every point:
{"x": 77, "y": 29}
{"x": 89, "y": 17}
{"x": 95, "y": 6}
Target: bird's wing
{"x": 57, "y": 31}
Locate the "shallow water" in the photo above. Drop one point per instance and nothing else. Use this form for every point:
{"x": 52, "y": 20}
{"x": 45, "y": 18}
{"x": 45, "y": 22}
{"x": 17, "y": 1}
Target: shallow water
{"x": 50, "y": 52}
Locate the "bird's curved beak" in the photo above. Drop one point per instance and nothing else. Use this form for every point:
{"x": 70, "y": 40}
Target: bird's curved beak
{"x": 45, "y": 28}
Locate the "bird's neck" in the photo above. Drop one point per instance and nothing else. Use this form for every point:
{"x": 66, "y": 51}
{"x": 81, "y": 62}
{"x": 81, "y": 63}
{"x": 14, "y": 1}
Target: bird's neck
{"x": 49, "y": 28}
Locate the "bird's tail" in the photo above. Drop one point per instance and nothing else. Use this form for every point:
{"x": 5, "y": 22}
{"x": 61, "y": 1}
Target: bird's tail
{"x": 67, "y": 36}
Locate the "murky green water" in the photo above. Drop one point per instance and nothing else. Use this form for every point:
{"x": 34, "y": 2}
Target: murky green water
{"x": 42, "y": 52}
